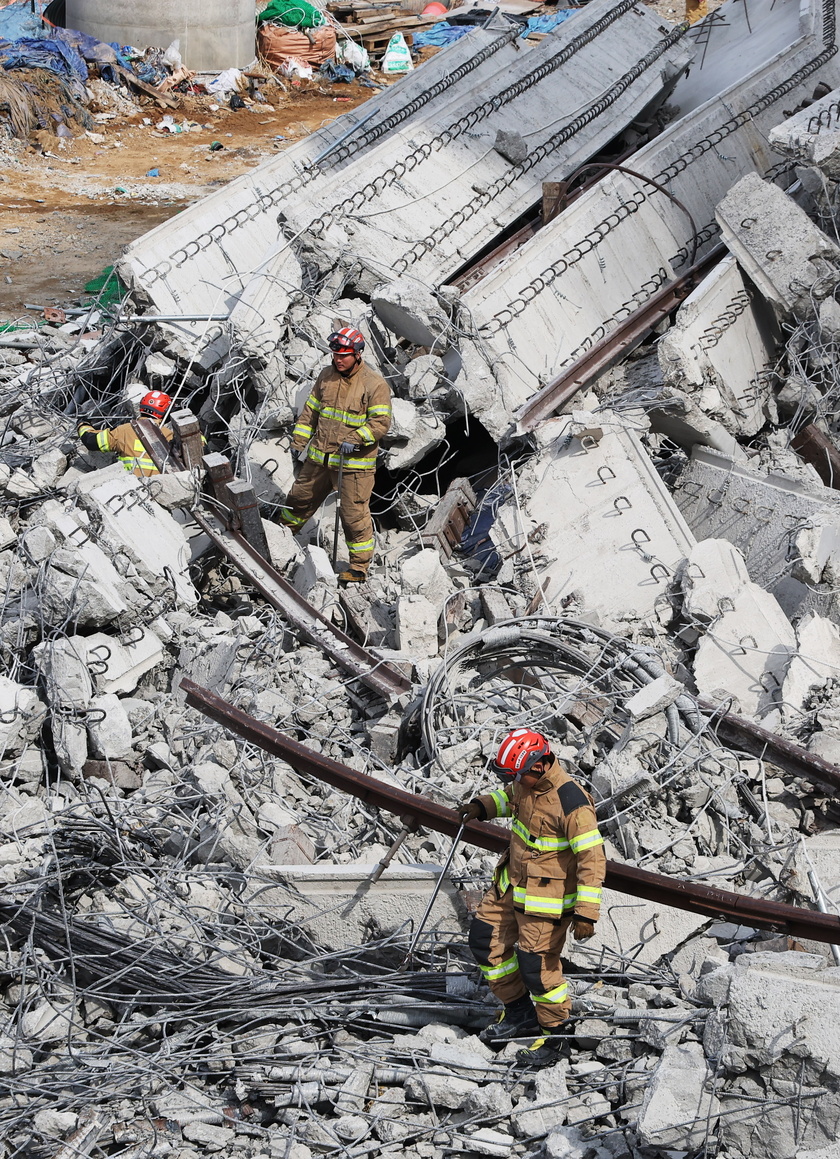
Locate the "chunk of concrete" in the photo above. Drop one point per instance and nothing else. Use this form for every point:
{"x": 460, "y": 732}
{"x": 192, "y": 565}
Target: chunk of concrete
{"x": 744, "y": 656}
{"x": 118, "y": 667}
{"x": 22, "y": 713}
{"x": 282, "y": 547}
{"x": 409, "y": 442}
{"x": 752, "y": 217}
{"x": 714, "y": 571}
{"x": 63, "y": 666}
{"x": 679, "y": 1110}
{"x": 339, "y": 906}
{"x": 811, "y": 136}
{"x": 782, "y": 1015}
{"x": 437, "y": 1090}
{"x": 654, "y": 697}
{"x": 424, "y": 575}
{"x": 109, "y": 729}
{"x": 817, "y": 660}
{"x": 719, "y": 348}
{"x": 417, "y": 626}
{"x": 315, "y": 579}
{"x": 271, "y": 469}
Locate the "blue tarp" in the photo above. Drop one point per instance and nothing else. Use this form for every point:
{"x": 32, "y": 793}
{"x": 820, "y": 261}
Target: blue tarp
{"x": 547, "y": 23}
{"x": 54, "y": 55}
{"x": 440, "y": 34}
{"x": 18, "y": 20}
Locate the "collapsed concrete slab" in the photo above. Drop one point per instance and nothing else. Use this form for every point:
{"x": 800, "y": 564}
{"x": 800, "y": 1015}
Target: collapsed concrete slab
{"x": 812, "y": 135}
{"x": 678, "y": 1108}
{"x": 340, "y": 907}
{"x": 587, "y": 499}
{"x": 784, "y": 529}
{"x": 721, "y": 349}
{"x": 753, "y": 216}
{"x": 535, "y": 313}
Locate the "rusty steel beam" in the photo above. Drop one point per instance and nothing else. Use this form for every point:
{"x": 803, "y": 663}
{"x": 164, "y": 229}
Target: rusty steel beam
{"x": 614, "y": 346}
{"x": 685, "y": 895}
{"x": 817, "y": 449}
{"x": 745, "y": 734}
{"x": 341, "y": 648}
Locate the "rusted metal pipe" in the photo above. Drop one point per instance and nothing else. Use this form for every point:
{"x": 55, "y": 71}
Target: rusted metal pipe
{"x": 685, "y": 895}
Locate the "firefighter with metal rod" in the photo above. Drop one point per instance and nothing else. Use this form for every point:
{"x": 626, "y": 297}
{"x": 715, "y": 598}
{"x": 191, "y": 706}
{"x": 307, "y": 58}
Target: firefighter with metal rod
{"x": 549, "y": 879}
{"x": 348, "y": 411}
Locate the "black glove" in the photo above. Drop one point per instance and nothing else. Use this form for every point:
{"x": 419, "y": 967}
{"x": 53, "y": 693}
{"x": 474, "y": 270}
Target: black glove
{"x": 471, "y": 810}
{"x": 81, "y": 423}
{"x": 583, "y": 928}
{"x": 348, "y": 449}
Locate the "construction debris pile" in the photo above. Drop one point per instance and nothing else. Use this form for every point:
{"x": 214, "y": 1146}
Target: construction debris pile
{"x": 642, "y": 563}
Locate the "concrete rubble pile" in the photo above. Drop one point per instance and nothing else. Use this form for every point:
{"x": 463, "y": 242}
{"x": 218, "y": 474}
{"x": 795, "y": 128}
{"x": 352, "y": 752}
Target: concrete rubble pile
{"x": 196, "y": 960}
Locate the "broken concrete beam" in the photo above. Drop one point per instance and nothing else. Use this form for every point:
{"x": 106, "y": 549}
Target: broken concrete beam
{"x": 581, "y": 504}
{"x": 62, "y": 664}
{"x": 146, "y": 533}
{"x": 351, "y": 905}
{"x": 720, "y": 350}
{"x": 22, "y": 713}
{"x": 753, "y": 217}
{"x": 812, "y": 135}
{"x": 743, "y": 658}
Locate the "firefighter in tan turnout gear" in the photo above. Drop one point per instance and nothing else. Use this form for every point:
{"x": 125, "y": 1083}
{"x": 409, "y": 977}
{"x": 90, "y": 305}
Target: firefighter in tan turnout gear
{"x": 122, "y": 440}
{"x": 549, "y": 879}
{"x": 345, "y": 416}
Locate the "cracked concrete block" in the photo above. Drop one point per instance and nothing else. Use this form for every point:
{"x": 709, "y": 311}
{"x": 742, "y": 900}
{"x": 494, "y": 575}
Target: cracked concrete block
{"x": 811, "y": 137}
{"x": 118, "y": 666}
{"x": 282, "y": 546}
{"x": 146, "y": 533}
{"x": 439, "y": 1090}
{"x": 511, "y": 145}
{"x": 719, "y": 349}
{"x": 677, "y": 1108}
{"x": 817, "y": 660}
{"x": 158, "y": 365}
{"x": 315, "y": 579}
{"x": 423, "y": 574}
{"x": 417, "y": 626}
{"x": 744, "y": 657}
{"x": 424, "y": 376}
{"x": 713, "y": 571}
{"x": 426, "y": 430}
{"x": 271, "y": 470}
{"x": 654, "y": 697}
{"x": 753, "y": 216}
{"x": 63, "y": 666}
{"x": 22, "y": 712}
{"x": 578, "y": 507}
{"x": 627, "y": 924}
{"x": 408, "y": 309}
{"x": 351, "y": 905}
{"x": 110, "y": 738}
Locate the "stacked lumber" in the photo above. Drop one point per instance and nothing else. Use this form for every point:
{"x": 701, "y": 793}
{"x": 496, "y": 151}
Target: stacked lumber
{"x": 375, "y": 24}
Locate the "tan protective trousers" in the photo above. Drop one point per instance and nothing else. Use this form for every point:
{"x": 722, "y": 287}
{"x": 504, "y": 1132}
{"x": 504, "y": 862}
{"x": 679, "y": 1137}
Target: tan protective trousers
{"x": 313, "y": 485}
{"x": 519, "y": 953}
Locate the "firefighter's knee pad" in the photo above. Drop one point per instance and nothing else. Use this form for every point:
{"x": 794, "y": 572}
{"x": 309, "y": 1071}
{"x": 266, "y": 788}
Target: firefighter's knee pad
{"x": 530, "y": 967}
{"x": 480, "y": 939}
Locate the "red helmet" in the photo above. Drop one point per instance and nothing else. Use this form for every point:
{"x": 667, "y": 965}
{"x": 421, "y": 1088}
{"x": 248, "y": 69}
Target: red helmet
{"x": 346, "y": 341}
{"x": 519, "y": 751}
{"x": 155, "y": 403}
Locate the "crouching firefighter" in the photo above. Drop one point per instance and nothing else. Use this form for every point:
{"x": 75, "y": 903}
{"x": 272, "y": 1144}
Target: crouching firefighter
{"x": 549, "y": 879}
{"x": 123, "y": 441}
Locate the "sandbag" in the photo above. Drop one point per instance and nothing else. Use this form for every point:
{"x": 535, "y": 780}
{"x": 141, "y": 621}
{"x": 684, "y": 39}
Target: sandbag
{"x": 315, "y": 45}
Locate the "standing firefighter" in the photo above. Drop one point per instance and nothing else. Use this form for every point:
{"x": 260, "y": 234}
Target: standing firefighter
{"x": 345, "y": 416}
{"x": 550, "y": 878}
{"x": 124, "y": 442}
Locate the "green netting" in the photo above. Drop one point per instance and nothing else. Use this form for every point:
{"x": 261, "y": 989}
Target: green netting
{"x": 10, "y": 327}
{"x": 292, "y": 13}
{"x": 107, "y": 287}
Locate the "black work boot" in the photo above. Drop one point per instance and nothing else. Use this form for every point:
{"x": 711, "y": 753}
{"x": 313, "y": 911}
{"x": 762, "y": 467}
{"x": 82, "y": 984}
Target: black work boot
{"x": 516, "y": 1019}
{"x": 546, "y": 1048}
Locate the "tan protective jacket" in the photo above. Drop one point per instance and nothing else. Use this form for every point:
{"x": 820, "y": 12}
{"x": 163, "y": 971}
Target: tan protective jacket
{"x": 127, "y": 447}
{"x": 556, "y": 862}
{"x": 355, "y": 409}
